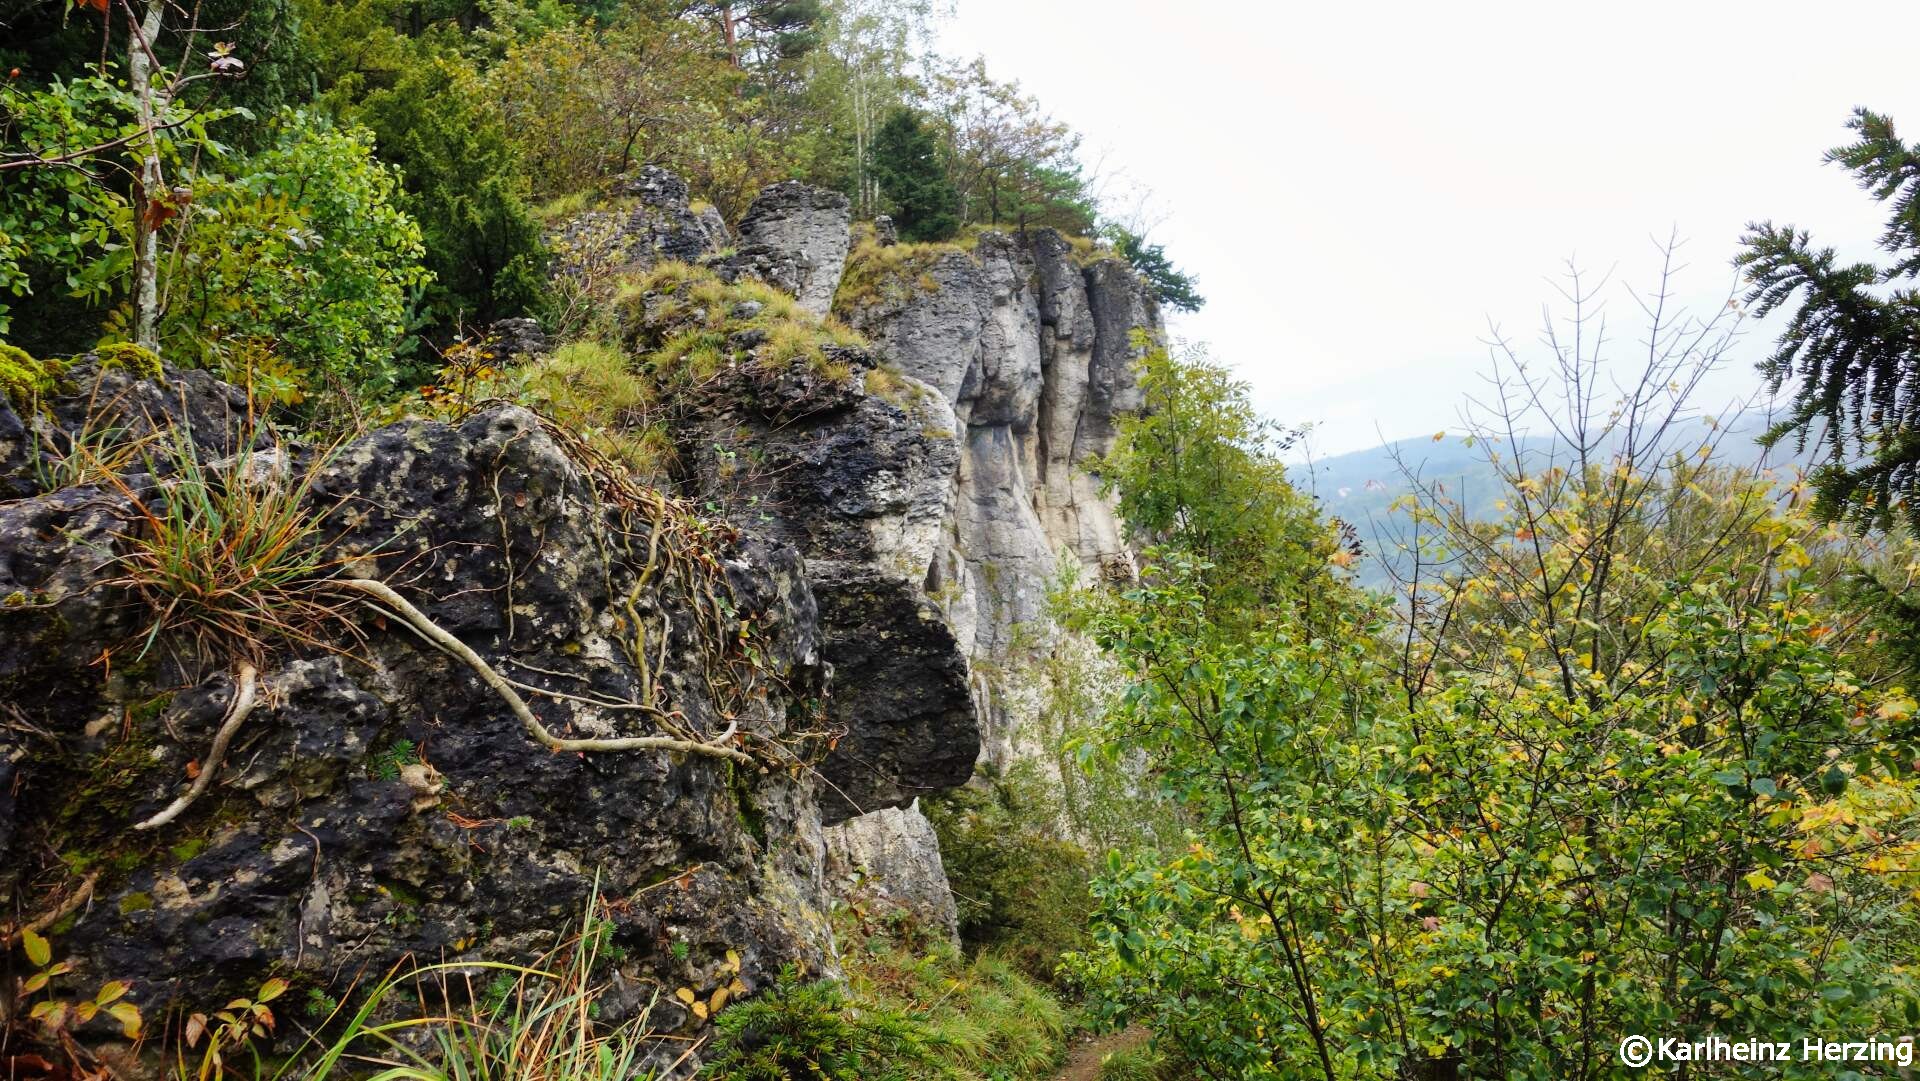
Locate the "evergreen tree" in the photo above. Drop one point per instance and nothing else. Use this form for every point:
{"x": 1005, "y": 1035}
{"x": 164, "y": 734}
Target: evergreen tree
{"x": 1174, "y": 288}
{"x": 906, "y": 163}
{"x": 1853, "y": 345}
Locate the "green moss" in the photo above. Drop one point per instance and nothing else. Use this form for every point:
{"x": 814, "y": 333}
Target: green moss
{"x": 25, "y": 380}
{"x": 186, "y": 850}
{"x": 691, "y": 324}
{"x": 135, "y": 902}
{"x": 137, "y": 360}
{"x": 15, "y": 599}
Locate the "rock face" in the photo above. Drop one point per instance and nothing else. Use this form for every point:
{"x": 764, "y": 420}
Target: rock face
{"x": 1034, "y": 353}
{"x": 381, "y": 801}
{"x": 808, "y": 224}
{"x": 892, "y": 855}
{"x": 887, "y": 521}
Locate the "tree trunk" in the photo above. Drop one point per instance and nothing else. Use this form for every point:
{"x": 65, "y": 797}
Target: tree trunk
{"x": 146, "y": 245}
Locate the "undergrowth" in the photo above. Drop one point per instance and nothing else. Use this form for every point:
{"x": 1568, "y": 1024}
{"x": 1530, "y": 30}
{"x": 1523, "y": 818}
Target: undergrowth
{"x": 1020, "y": 884}
{"x": 907, "y": 1012}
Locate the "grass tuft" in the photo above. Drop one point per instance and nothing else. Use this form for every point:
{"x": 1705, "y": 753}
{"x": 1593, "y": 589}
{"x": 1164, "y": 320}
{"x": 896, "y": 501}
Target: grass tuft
{"x": 697, "y": 325}
{"x": 230, "y": 562}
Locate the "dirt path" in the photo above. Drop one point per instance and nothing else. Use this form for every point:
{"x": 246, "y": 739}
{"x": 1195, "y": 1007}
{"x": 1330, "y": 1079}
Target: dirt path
{"x": 1083, "y": 1063}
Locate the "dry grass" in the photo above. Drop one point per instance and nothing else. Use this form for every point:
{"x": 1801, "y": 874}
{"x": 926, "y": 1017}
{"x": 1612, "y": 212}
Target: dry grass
{"x": 889, "y": 274}
{"x": 703, "y": 325}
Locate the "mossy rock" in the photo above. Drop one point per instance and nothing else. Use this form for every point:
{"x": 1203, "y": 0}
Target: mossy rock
{"x": 136, "y": 360}
{"x": 25, "y": 380}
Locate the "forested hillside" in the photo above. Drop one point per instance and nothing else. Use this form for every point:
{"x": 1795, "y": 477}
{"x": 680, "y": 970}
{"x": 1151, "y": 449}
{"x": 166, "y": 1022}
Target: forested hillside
{"x": 668, "y": 539}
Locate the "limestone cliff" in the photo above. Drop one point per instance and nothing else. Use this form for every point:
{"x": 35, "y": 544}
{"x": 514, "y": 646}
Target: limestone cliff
{"x": 874, "y": 538}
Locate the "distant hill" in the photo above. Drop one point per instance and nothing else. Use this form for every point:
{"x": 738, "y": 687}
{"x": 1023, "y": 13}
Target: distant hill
{"x": 1360, "y": 487}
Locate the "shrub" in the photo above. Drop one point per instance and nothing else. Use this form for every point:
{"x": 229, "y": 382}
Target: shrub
{"x": 297, "y": 268}
{"x": 467, "y": 188}
{"x": 1021, "y": 886}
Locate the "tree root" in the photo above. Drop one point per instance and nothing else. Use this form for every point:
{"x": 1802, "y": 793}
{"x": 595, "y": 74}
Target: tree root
{"x": 60, "y": 912}
{"x": 503, "y": 687}
{"x": 244, "y": 686}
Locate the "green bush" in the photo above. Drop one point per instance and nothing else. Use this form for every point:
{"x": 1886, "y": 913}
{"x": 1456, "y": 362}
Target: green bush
{"x": 1021, "y": 886}
{"x": 466, "y": 186}
{"x": 297, "y": 268}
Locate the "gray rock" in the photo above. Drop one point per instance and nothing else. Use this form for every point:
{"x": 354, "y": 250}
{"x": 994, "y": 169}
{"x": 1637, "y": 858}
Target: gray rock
{"x": 811, "y": 225}
{"x": 613, "y": 240}
{"x": 891, "y": 857}
{"x": 1035, "y": 354}
{"x": 386, "y": 804}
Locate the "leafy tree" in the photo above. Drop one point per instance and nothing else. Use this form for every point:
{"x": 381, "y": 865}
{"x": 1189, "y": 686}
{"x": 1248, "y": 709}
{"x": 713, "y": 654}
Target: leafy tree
{"x": 1849, "y": 347}
{"x": 905, "y": 161}
{"x": 585, "y": 104}
{"x": 1173, "y": 288}
{"x": 1613, "y": 772}
{"x": 1010, "y": 162}
{"x": 113, "y": 161}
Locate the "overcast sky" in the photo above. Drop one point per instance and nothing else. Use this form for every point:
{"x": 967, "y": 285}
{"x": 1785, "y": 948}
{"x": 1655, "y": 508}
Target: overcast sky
{"x": 1361, "y": 188}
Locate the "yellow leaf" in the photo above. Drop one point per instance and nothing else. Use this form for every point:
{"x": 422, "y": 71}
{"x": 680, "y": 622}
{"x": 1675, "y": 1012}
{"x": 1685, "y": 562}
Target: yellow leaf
{"x": 733, "y": 960}
{"x": 272, "y": 989}
{"x": 718, "y": 1000}
{"x": 686, "y": 995}
{"x": 129, "y": 1017}
{"x": 1439, "y": 435}
{"x": 700, "y": 1010}
{"x": 1758, "y": 880}
{"x": 38, "y": 951}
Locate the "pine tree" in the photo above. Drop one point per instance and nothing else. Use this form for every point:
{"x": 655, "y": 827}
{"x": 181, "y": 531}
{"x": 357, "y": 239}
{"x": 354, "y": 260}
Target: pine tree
{"x": 1853, "y": 345}
{"x": 1172, "y": 286}
{"x": 906, "y": 164}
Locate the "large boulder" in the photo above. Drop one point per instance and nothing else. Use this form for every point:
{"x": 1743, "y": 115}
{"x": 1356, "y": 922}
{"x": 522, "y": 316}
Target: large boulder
{"x": 380, "y": 801}
{"x": 808, "y": 225}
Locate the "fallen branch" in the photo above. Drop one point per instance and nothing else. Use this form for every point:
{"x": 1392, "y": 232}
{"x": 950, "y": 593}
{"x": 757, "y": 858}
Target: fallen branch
{"x": 237, "y": 710}
{"x": 503, "y": 687}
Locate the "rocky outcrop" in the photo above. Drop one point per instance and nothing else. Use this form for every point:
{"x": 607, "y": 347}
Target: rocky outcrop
{"x": 380, "y": 801}
{"x": 892, "y": 857}
{"x": 880, "y": 527}
{"x": 808, "y": 225}
{"x": 647, "y": 219}
{"x": 1034, "y": 352}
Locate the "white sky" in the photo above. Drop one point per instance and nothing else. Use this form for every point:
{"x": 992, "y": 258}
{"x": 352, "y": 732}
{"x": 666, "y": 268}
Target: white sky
{"x": 1360, "y": 188}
